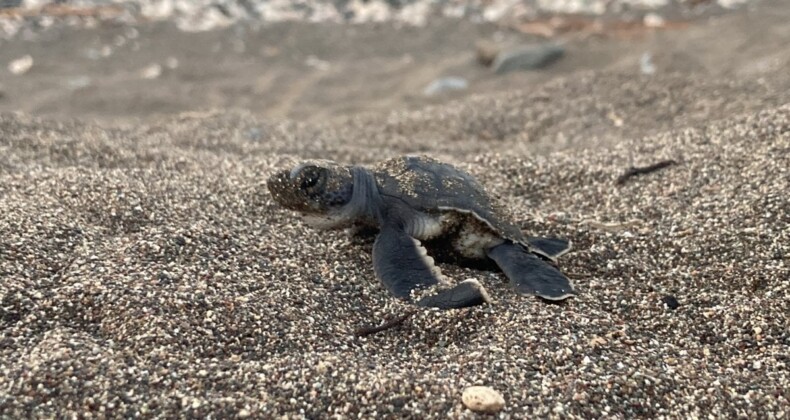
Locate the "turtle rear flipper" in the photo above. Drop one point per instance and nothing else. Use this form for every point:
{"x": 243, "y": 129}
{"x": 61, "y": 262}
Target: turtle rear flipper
{"x": 402, "y": 265}
{"x": 529, "y": 274}
{"x": 550, "y": 247}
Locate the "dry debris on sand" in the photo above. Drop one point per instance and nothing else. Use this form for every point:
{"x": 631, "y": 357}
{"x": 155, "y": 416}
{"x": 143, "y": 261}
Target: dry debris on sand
{"x": 147, "y": 271}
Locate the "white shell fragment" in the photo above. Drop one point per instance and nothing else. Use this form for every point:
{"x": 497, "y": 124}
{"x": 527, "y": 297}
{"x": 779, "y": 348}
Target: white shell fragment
{"x": 153, "y": 71}
{"x": 21, "y": 65}
{"x": 483, "y": 399}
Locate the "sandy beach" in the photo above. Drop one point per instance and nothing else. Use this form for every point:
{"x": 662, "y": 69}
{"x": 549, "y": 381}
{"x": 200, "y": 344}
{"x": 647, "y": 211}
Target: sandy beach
{"x": 145, "y": 270}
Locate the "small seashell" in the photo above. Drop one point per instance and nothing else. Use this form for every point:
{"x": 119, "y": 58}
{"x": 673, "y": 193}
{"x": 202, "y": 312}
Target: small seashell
{"x": 21, "y": 65}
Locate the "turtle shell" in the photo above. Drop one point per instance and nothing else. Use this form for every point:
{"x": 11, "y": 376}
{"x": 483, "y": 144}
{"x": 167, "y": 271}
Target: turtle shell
{"x": 429, "y": 185}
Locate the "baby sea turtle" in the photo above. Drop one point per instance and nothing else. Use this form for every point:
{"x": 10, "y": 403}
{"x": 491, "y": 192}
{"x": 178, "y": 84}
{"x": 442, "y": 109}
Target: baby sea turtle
{"x": 415, "y": 198}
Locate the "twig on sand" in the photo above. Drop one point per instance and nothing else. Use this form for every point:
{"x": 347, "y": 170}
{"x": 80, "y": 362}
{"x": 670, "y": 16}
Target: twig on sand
{"x": 634, "y": 171}
{"x": 368, "y": 330}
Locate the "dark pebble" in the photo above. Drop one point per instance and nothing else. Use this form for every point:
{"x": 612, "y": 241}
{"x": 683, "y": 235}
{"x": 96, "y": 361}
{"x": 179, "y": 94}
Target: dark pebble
{"x": 671, "y": 302}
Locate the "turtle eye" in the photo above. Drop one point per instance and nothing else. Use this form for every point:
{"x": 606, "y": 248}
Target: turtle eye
{"x": 311, "y": 179}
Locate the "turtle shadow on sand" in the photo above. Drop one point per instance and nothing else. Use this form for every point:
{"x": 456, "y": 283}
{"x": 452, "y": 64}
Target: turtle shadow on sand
{"x": 453, "y": 326}
{"x": 442, "y": 251}
{"x": 449, "y": 326}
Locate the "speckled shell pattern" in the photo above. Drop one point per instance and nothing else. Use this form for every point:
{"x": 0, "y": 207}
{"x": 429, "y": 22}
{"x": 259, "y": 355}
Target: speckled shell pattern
{"x": 431, "y": 186}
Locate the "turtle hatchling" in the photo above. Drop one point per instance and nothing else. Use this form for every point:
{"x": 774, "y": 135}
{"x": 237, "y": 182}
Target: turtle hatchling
{"x": 411, "y": 199}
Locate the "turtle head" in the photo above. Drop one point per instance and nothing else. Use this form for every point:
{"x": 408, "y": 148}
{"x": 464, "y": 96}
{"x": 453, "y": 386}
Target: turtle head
{"x": 314, "y": 187}
{"x": 317, "y": 189}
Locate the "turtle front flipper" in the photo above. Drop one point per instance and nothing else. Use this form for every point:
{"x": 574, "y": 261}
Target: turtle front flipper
{"x": 529, "y": 274}
{"x": 550, "y": 247}
{"x": 466, "y": 293}
{"x": 403, "y": 266}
